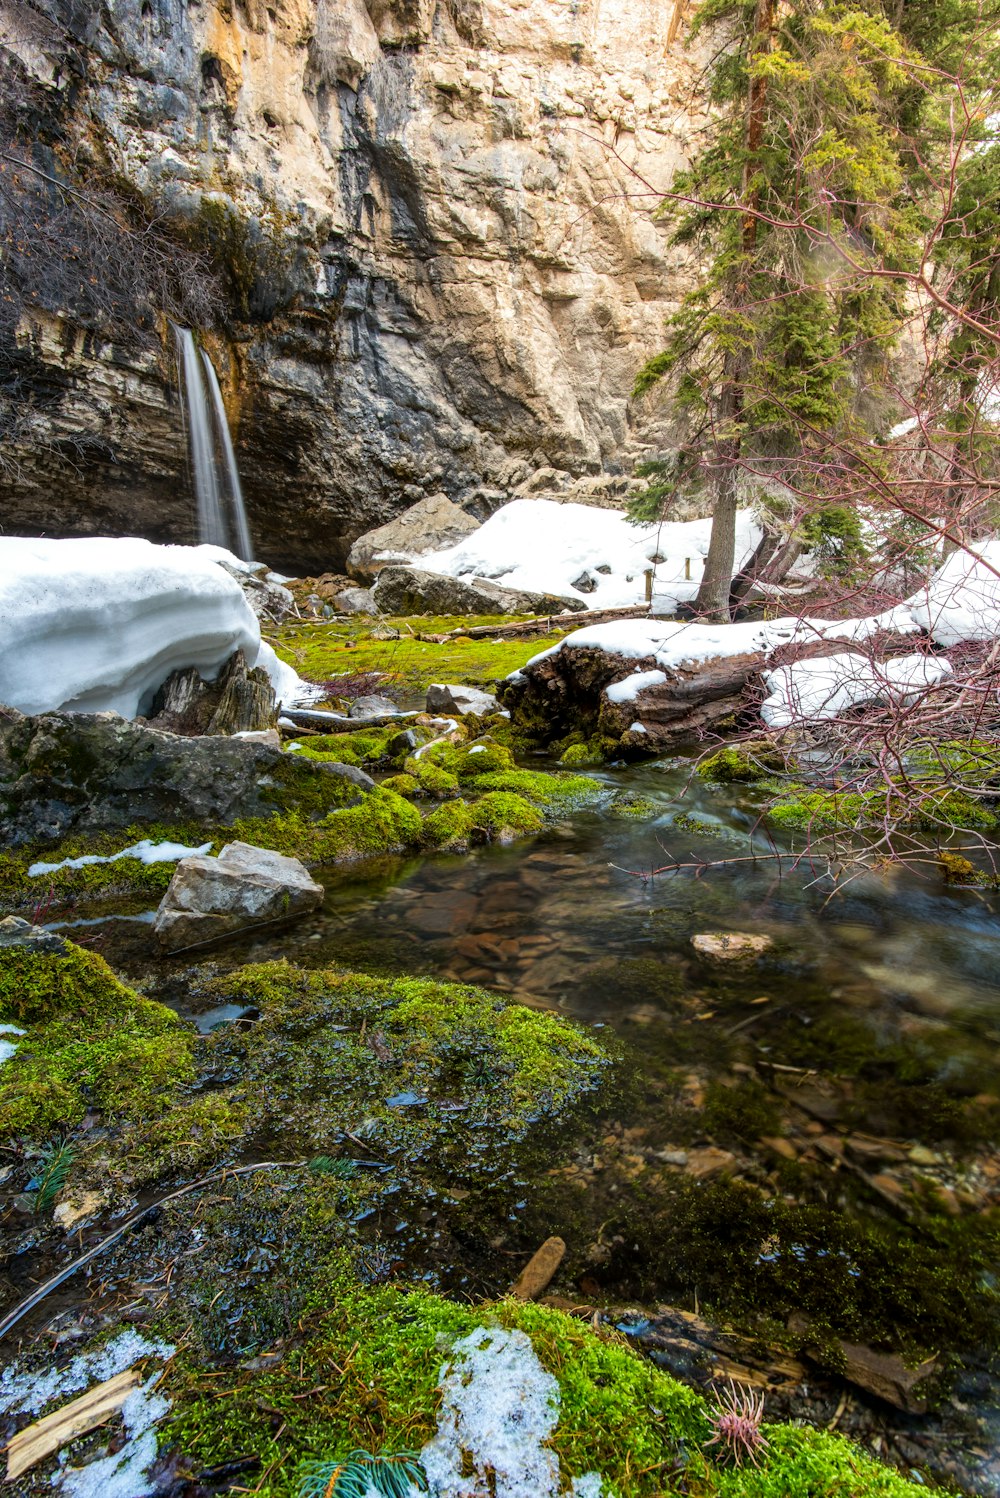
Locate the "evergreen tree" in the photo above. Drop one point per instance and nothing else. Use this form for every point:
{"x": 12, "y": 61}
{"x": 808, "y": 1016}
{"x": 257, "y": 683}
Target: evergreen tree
{"x": 803, "y": 177}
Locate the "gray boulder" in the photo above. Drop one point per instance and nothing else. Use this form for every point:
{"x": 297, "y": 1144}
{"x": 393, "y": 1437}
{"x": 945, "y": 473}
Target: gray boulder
{"x": 268, "y": 599}
{"x": 354, "y": 601}
{"x": 62, "y": 773}
{"x": 373, "y": 706}
{"x": 210, "y": 899}
{"x": 407, "y": 590}
{"x": 449, "y": 698}
{"x": 429, "y": 525}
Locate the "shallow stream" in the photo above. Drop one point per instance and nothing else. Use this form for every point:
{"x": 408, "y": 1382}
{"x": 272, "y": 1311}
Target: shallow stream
{"x": 810, "y": 1135}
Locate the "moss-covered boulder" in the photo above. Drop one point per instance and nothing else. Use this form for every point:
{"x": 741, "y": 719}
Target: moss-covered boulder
{"x": 83, "y": 1040}
{"x": 67, "y": 774}
{"x": 745, "y": 763}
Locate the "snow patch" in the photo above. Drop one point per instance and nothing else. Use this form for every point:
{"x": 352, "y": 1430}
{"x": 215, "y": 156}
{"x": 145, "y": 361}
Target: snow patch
{"x": 545, "y": 547}
{"x": 98, "y": 624}
{"x": 812, "y": 690}
{"x": 145, "y": 852}
{"x": 629, "y": 689}
{"x": 7, "y": 1047}
{"x": 498, "y": 1408}
{"x": 962, "y": 600}
{"x": 28, "y": 1393}
{"x": 124, "y": 1473}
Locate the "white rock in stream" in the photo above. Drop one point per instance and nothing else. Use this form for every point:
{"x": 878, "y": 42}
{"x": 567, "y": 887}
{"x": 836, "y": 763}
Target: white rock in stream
{"x": 212, "y": 898}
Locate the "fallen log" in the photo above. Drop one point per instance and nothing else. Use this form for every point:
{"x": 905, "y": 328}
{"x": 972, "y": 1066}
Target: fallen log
{"x": 544, "y": 624}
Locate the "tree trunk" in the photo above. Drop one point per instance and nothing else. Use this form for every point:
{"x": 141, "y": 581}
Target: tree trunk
{"x": 713, "y": 594}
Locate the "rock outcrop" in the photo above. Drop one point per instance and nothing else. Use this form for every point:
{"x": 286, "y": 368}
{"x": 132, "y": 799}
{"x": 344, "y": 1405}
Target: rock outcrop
{"x": 210, "y": 899}
{"x": 61, "y": 774}
{"x": 408, "y": 590}
{"x": 428, "y": 525}
{"x": 437, "y": 269}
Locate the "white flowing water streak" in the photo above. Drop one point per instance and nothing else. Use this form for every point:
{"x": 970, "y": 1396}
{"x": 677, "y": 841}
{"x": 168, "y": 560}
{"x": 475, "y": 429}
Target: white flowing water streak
{"x": 241, "y": 529}
{"x": 222, "y": 519}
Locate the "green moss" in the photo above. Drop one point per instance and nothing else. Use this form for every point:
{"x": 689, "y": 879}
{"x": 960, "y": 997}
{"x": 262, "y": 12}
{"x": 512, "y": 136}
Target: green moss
{"x": 746, "y": 763}
{"x": 556, "y": 794}
{"x": 403, "y": 785}
{"x": 338, "y": 647}
{"x": 365, "y": 747}
{"x": 449, "y": 826}
{"x": 483, "y": 757}
{"x": 577, "y": 756}
{"x": 501, "y": 815}
{"x": 640, "y": 1429}
{"x": 90, "y": 1043}
{"x": 633, "y": 807}
{"x": 937, "y": 810}
{"x": 431, "y": 777}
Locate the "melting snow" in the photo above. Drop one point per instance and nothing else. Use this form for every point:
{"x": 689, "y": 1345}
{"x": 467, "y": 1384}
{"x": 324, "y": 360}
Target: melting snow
{"x": 146, "y": 852}
{"x": 27, "y": 1393}
{"x": 498, "y": 1408}
{"x": 824, "y": 688}
{"x": 98, "y": 624}
{"x": 629, "y": 689}
{"x": 7, "y": 1047}
{"x": 545, "y": 547}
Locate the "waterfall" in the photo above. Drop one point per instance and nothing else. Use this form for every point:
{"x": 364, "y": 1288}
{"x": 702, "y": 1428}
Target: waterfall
{"x": 222, "y": 517}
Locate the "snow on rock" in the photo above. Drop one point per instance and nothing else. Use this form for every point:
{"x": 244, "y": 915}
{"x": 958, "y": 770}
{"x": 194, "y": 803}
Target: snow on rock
{"x": 812, "y": 690}
{"x": 582, "y": 552}
{"x": 498, "y": 1407}
{"x": 145, "y": 852}
{"x": 98, "y": 624}
{"x": 962, "y": 600}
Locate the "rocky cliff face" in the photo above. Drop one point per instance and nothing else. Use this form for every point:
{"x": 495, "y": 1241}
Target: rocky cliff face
{"x": 461, "y": 273}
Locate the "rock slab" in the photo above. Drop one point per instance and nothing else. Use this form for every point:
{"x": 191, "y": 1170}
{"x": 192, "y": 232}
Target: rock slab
{"x": 447, "y": 697}
{"x": 408, "y": 590}
{"x": 210, "y": 899}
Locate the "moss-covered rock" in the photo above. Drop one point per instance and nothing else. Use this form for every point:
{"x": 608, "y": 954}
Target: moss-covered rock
{"x": 457, "y": 1078}
{"x": 579, "y": 756}
{"x": 612, "y": 1413}
{"x": 449, "y": 826}
{"x": 403, "y": 785}
{"x": 633, "y": 807}
{"x": 746, "y": 763}
{"x": 430, "y": 775}
{"x": 554, "y": 794}
{"x": 89, "y": 1042}
{"x": 366, "y": 747}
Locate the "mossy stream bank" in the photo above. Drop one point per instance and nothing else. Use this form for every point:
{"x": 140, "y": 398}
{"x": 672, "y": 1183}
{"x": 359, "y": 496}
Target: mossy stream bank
{"x": 493, "y": 1032}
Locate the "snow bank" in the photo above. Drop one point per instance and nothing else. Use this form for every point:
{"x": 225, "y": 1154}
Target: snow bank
{"x": 812, "y": 690}
{"x": 498, "y": 1407}
{"x": 97, "y": 625}
{"x": 962, "y": 600}
{"x": 544, "y": 547}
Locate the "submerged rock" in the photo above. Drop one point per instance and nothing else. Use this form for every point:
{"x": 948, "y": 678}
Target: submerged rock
{"x": 212, "y": 898}
{"x": 730, "y": 946}
{"x": 408, "y": 590}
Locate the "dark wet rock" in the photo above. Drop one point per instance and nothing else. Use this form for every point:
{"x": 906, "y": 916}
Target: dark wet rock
{"x": 210, "y": 899}
{"x": 241, "y": 699}
{"x": 408, "y": 590}
{"x": 429, "y": 525}
{"x": 64, "y": 773}
{"x": 445, "y": 697}
{"x": 269, "y": 600}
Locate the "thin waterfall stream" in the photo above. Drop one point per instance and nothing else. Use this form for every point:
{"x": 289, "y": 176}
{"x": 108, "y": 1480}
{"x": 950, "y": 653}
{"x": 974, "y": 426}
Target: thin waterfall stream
{"x": 221, "y": 512}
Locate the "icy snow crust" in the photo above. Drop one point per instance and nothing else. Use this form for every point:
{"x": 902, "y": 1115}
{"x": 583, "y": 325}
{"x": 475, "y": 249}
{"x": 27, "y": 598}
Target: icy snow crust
{"x": 498, "y": 1407}
{"x": 810, "y": 691}
{"x": 123, "y": 1474}
{"x": 97, "y": 625}
{"x": 544, "y": 547}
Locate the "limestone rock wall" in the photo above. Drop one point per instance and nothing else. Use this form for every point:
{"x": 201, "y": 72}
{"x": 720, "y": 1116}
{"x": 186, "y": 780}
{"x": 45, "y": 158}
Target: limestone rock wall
{"x": 467, "y": 279}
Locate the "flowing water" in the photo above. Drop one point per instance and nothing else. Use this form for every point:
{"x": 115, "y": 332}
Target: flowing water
{"x": 222, "y": 518}
{"x": 810, "y": 1135}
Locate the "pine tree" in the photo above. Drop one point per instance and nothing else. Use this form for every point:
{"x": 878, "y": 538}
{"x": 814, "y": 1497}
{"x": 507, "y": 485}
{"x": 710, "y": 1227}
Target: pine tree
{"x": 803, "y": 177}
